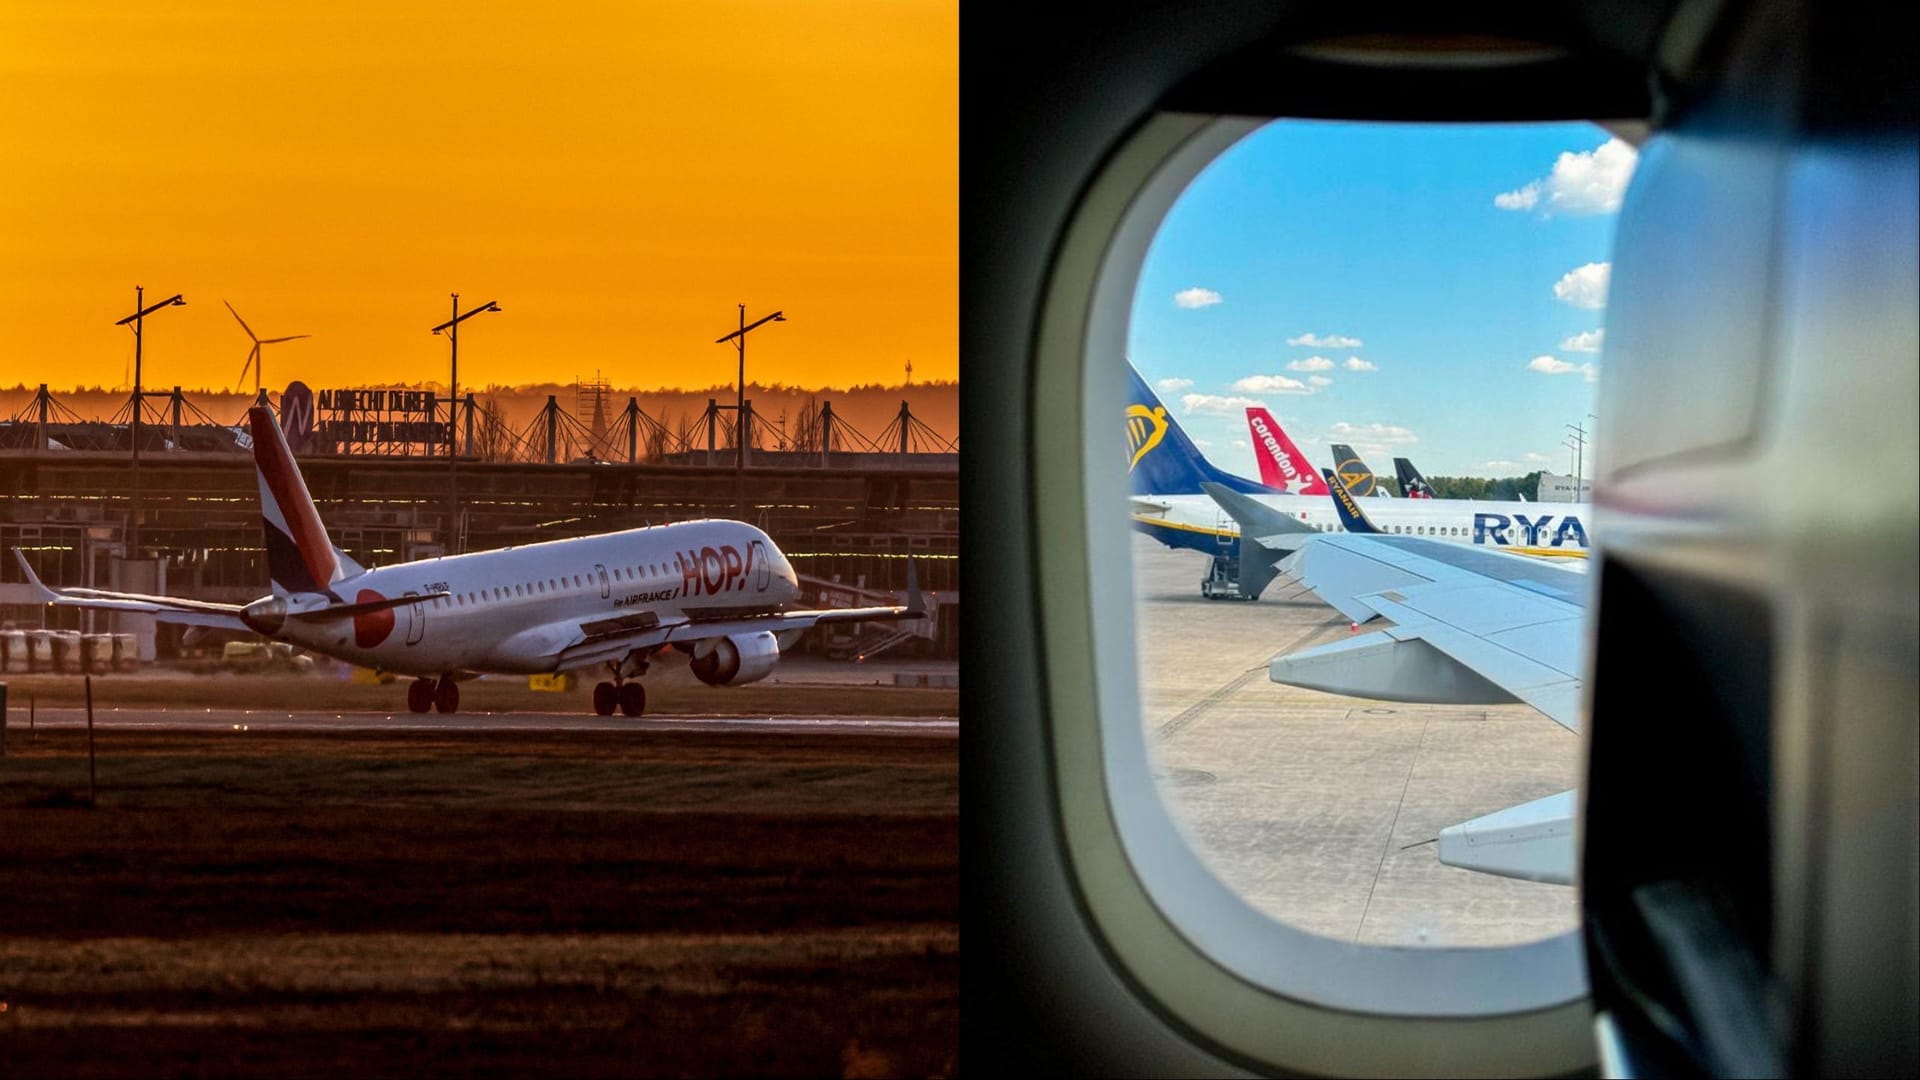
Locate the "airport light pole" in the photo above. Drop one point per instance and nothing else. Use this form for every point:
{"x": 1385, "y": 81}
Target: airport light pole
{"x": 452, "y": 327}
{"x": 1579, "y": 456}
{"x": 739, "y": 339}
{"x": 138, "y": 319}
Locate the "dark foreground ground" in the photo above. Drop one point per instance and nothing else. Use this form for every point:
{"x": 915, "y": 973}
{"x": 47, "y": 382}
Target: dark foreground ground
{"x": 653, "y": 903}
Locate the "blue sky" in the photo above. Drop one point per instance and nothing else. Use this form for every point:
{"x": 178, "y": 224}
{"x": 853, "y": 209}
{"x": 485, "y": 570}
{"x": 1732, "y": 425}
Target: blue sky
{"x": 1461, "y": 258}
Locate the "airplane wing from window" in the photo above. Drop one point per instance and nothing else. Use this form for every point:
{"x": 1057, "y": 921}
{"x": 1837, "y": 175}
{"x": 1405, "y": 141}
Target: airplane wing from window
{"x": 1468, "y": 627}
{"x": 1481, "y": 627}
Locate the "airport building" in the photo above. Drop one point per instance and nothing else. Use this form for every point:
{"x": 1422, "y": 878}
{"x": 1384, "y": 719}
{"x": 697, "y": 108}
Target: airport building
{"x": 848, "y": 520}
{"x": 1565, "y": 489}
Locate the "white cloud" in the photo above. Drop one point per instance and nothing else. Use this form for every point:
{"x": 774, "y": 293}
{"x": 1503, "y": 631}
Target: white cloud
{"x": 1238, "y": 444}
{"x": 1553, "y": 365}
{"x": 1204, "y": 444}
{"x": 1586, "y": 182}
{"x": 1218, "y": 405}
{"x": 1311, "y": 363}
{"x": 1528, "y": 461}
{"x": 1585, "y": 287}
{"x": 1174, "y": 386}
{"x": 1331, "y": 341}
{"x": 1371, "y": 438}
{"x": 1525, "y": 198}
{"x": 1271, "y": 384}
{"x": 1196, "y": 297}
{"x": 1319, "y": 380}
{"x": 1587, "y": 341}
{"x": 1354, "y": 363}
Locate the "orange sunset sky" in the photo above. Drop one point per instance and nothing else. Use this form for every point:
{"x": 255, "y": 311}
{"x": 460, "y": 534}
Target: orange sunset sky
{"x": 617, "y": 175}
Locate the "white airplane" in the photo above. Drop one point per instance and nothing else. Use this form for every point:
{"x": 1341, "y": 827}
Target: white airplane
{"x": 719, "y": 591}
{"x": 1171, "y": 505}
{"x": 1469, "y": 628}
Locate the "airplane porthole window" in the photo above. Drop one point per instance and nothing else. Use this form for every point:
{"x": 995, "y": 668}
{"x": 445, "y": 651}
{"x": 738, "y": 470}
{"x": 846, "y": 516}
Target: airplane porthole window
{"x": 1281, "y": 838}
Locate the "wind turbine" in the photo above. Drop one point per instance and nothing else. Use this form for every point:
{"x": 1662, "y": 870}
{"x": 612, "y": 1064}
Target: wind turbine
{"x": 253, "y": 356}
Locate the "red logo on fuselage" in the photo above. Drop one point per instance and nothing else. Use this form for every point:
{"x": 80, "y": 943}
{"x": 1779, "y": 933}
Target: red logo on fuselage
{"x": 711, "y": 571}
{"x": 370, "y": 628}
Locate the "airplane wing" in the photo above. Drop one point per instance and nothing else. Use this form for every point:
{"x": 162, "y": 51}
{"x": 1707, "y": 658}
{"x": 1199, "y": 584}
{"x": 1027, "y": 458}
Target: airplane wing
{"x": 1468, "y": 627}
{"x": 604, "y": 641}
{"x": 165, "y": 608}
{"x": 1488, "y": 627}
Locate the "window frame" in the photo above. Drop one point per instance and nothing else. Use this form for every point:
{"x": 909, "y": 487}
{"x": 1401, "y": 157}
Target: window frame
{"x": 1198, "y": 950}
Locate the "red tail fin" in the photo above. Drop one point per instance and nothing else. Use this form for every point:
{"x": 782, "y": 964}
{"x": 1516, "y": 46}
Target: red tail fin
{"x": 1282, "y": 465}
{"x": 300, "y": 558}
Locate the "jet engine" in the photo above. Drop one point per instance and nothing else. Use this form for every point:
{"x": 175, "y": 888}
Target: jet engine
{"x": 736, "y": 659}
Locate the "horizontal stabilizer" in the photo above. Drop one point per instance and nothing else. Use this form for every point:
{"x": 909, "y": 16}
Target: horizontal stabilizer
{"x": 1533, "y": 841}
{"x": 1386, "y": 668}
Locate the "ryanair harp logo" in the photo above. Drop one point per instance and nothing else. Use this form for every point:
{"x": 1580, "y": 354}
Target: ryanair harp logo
{"x": 1145, "y": 428}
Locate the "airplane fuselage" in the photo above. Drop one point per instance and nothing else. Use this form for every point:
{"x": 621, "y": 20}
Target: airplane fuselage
{"x": 513, "y": 611}
{"x": 1197, "y": 523}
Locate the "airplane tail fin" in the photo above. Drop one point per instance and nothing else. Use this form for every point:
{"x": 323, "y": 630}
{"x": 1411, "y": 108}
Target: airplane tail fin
{"x": 1353, "y": 472}
{"x": 300, "y": 557}
{"x": 1352, "y": 518}
{"x": 1161, "y": 459}
{"x": 1412, "y": 484}
{"x": 1282, "y": 465}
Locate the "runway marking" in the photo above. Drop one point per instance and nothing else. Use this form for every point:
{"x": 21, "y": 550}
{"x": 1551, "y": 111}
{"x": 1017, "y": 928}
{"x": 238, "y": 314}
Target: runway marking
{"x": 1387, "y": 845}
{"x": 1173, "y": 726}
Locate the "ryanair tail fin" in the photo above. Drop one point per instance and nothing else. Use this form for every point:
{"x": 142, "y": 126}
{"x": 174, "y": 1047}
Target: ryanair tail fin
{"x": 1352, "y": 518}
{"x": 1353, "y": 472}
{"x": 300, "y": 556}
{"x": 1161, "y": 459}
{"x": 1412, "y": 484}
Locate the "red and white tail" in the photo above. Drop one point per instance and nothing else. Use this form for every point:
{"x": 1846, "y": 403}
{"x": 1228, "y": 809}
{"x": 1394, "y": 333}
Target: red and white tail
{"x": 300, "y": 557}
{"x": 1282, "y": 465}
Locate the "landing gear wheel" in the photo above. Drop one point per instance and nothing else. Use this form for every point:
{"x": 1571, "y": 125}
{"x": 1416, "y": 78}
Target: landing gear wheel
{"x": 446, "y": 697}
{"x": 605, "y": 697}
{"x": 420, "y": 695}
{"x": 633, "y": 699}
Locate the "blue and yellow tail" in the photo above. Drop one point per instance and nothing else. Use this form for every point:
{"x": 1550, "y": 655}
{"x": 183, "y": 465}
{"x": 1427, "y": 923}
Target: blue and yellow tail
{"x": 1346, "y": 507}
{"x": 1161, "y": 459}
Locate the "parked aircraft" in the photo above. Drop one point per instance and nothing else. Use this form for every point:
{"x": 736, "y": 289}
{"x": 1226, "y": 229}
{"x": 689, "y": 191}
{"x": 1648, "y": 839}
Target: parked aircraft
{"x": 1170, "y": 504}
{"x": 719, "y": 591}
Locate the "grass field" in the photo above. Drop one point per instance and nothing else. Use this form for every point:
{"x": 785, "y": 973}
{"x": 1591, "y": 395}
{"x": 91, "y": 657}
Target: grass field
{"x": 658, "y": 903}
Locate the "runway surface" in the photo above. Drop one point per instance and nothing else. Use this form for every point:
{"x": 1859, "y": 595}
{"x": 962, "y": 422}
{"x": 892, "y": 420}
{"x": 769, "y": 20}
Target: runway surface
{"x": 1321, "y": 810}
{"x": 272, "y": 720}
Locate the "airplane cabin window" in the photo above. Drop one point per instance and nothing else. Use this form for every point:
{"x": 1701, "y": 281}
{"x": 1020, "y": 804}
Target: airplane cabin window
{"x": 1419, "y": 307}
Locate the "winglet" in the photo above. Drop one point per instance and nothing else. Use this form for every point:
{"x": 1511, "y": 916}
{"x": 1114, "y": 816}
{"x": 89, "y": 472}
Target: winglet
{"x": 41, "y": 593}
{"x": 916, "y": 603}
{"x": 1352, "y": 518}
{"x": 1256, "y": 519}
